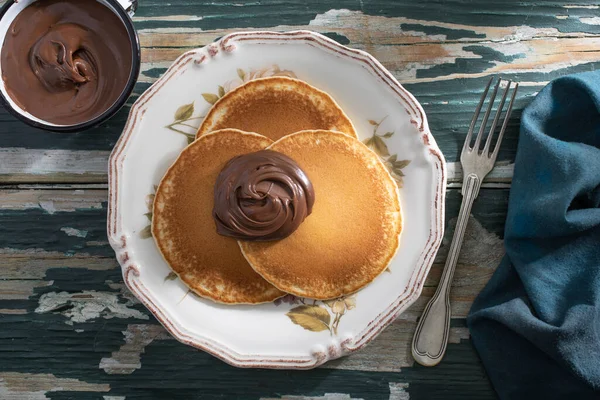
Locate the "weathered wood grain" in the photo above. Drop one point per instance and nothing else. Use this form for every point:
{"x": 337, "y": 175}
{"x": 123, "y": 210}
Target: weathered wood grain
{"x": 69, "y": 328}
{"x": 19, "y": 166}
{"x": 20, "y": 290}
{"x": 72, "y": 287}
{"x": 416, "y": 50}
{"x": 210, "y": 15}
{"x": 32, "y": 264}
{"x": 20, "y": 386}
{"x": 326, "y": 396}
{"x": 440, "y": 54}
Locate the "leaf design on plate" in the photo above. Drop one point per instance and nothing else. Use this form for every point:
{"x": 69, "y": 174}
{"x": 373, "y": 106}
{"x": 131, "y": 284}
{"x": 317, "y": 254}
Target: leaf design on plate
{"x": 149, "y": 216}
{"x": 399, "y": 164}
{"x": 221, "y": 91}
{"x": 171, "y": 277}
{"x": 398, "y": 171}
{"x": 380, "y": 146}
{"x": 241, "y": 73}
{"x": 377, "y": 143}
{"x": 211, "y": 98}
{"x": 388, "y": 270}
{"x": 184, "y": 112}
{"x": 311, "y": 317}
{"x": 146, "y": 232}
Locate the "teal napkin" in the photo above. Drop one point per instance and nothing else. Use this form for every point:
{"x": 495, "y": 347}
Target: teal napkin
{"x": 536, "y": 325}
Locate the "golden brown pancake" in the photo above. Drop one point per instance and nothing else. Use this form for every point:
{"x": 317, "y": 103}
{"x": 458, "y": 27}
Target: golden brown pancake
{"x": 184, "y": 229}
{"x": 275, "y": 107}
{"x": 353, "y": 231}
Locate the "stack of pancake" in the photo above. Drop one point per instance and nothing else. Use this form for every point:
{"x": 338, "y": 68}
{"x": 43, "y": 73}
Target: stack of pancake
{"x": 348, "y": 240}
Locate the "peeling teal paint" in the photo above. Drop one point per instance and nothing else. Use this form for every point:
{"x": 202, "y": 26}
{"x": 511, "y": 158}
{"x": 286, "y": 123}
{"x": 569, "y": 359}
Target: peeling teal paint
{"x": 488, "y": 58}
{"x": 450, "y": 34}
{"x": 341, "y": 39}
{"x": 154, "y": 72}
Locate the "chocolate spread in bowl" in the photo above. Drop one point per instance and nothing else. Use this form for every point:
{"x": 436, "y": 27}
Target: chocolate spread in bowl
{"x": 66, "y": 61}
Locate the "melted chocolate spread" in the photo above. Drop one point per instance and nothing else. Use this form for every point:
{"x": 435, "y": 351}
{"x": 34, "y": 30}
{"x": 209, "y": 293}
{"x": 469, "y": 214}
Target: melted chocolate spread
{"x": 261, "y": 196}
{"x": 66, "y": 61}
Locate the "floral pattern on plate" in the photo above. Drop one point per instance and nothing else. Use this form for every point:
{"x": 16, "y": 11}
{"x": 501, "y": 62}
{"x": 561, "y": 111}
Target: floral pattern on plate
{"x": 184, "y": 121}
{"x": 377, "y": 143}
{"x": 316, "y": 316}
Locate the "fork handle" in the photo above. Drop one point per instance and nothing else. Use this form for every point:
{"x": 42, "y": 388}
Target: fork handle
{"x": 431, "y": 336}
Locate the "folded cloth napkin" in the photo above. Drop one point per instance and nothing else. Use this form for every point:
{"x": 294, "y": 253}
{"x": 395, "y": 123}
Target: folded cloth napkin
{"x": 536, "y": 325}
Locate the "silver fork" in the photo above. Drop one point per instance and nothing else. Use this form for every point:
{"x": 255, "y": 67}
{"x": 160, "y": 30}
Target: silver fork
{"x": 431, "y": 336}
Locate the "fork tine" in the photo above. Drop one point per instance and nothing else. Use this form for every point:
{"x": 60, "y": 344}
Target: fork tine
{"x": 488, "y": 141}
{"x": 506, "y": 117}
{"x": 486, "y": 117}
{"x": 475, "y": 116}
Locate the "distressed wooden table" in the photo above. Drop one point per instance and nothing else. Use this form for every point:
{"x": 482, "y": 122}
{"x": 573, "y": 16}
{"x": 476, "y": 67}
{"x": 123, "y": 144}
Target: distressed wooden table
{"x": 70, "y": 329}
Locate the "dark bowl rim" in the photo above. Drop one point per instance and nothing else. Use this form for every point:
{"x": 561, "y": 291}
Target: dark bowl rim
{"x": 121, "y": 100}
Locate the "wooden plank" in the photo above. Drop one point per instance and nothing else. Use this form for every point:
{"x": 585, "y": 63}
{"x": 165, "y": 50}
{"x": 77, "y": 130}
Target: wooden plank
{"x": 418, "y": 46}
{"x": 20, "y": 290}
{"x": 16, "y": 385}
{"x": 18, "y": 165}
{"x": 77, "y": 354}
{"x": 52, "y": 201}
{"x": 21, "y": 166}
{"x": 326, "y": 396}
{"x": 211, "y": 15}
{"x": 33, "y": 265}
{"x": 197, "y": 372}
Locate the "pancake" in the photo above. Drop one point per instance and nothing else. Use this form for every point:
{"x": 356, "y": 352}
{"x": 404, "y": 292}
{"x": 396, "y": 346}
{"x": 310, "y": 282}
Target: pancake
{"x": 353, "y": 231}
{"x": 184, "y": 229}
{"x": 275, "y": 107}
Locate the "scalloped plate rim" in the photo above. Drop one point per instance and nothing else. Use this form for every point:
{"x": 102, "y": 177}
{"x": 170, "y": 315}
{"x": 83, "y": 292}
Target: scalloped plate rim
{"x": 118, "y": 240}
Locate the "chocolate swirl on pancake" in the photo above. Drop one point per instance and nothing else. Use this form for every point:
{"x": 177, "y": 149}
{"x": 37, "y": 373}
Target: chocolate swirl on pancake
{"x": 261, "y": 196}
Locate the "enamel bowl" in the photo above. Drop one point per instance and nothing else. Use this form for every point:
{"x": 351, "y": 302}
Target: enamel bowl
{"x": 124, "y": 9}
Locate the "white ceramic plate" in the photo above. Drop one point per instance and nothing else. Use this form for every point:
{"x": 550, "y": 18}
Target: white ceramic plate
{"x": 292, "y": 332}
